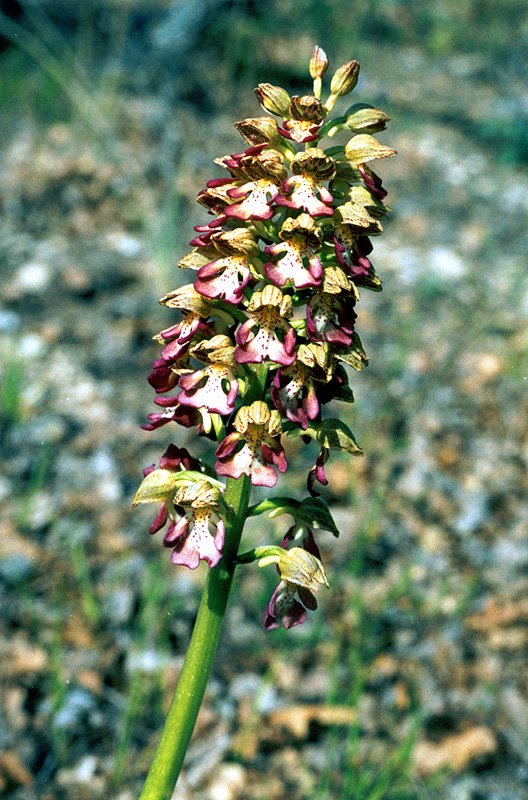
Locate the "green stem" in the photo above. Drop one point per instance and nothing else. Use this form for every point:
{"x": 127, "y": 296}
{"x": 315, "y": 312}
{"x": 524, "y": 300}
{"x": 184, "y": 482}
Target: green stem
{"x": 179, "y": 725}
{"x": 189, "y": 693}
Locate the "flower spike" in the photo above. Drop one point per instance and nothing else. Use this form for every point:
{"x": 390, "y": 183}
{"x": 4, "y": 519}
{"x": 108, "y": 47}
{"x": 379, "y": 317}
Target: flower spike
{"x": 268, "y": 327}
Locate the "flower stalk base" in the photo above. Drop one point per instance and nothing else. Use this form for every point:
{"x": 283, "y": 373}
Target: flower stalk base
{"x": 192, "y": 683}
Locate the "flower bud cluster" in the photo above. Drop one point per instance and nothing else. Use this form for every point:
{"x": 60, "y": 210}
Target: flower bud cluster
{"x": 268, "y": 323}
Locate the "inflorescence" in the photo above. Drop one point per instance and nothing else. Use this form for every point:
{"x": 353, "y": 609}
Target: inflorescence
{"x": 268, "y": 327}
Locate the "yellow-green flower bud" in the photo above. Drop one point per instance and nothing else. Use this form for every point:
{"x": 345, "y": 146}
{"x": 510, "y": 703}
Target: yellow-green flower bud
{"x": 186, "y": 298}
{"x": 364, "y": 148}
{"x": 159, "y": 485}
{"x": 297, "y": 566}
{"x": 318, "y": 62}
{"x": 345, "y": 79}
{"x": 274, "y": 99}
{"x": 235, "y": 242}
{"x": 259, "y": 130}
{"x": 365, "y": 119}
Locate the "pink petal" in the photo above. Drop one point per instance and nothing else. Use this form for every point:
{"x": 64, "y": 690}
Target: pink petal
{"x": 223, "y": 279}
{"x": 227, "y": 445}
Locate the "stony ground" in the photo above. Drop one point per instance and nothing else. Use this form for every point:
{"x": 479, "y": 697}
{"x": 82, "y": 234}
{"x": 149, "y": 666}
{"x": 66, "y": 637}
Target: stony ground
{"x": 411, "y": 679}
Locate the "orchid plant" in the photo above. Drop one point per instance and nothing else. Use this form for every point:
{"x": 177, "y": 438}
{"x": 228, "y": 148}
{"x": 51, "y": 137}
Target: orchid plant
{"x": 267, "y": 331}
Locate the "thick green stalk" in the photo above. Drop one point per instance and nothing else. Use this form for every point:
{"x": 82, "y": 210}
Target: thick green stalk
{"x": 179, "y": 725}
{"x": 190, "y": 690}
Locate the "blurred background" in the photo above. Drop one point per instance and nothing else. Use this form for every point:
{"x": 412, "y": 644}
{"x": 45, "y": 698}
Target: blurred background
{"x": 411, "y": 680}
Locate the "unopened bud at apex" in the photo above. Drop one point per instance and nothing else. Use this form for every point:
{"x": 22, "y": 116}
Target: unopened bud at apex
{"x": 273, "y": 99}
{"x": 345, "y": 79}
{"x": 318, "y": 62}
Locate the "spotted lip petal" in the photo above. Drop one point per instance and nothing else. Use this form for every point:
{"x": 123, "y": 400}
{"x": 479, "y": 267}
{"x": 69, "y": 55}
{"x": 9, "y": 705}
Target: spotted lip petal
{"x": 290, "y": 268}
{"x": 253, "y": 448}
{"x": 254, "y": 348}
{"x": 260, "y": 466}
{"x": 330, "y": 319}
{"x": 247, "y": 462}
{"x": 299, "y": 131}
{"x": 256, "y": 203}
{"x": 192, "y": 542}
{"x": 211, "y": 394}
{"x": 294, "y": 394}
{"x": 265, "y": 344}
{"x": 285, "y": 608}
{"x": 196, "y": 532}
{"x": 224, "y": 279}
{"x": 300, "y": 191}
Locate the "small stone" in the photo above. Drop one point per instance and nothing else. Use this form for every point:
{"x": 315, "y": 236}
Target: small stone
{"x": 5, "y": 487}
{"x": 509, "y": 639}
{"x": 473, "y": 512}
{"x": 77, "y": 280}
{"x": 33, "y": 277}
{"x": 455, "y": 752}
{"x": 82, "y": 777}
{"x": 510, "y": 554}
{"x": 12, "y": 766}
{"x": 15, "y": 569}
{"x": 77, "y": 703}
{"x": 16, "y": 715}
{"x": 315, "y": 684}
{"x": 147, "y": 661}
{"x": 42, "y": 510}
{"x": 384, "y": 667}
{"x": 125, "y": 245}
{"x": 229, "y": 781}
{"x": 10, "y": 321}
{"x": 446, "y": 264}
{"x": 212, "y": 755}
{"x": 31, "y": 346}
{"x": 91, "y": 680}
{"x": 245, "y": 685}
{"x": 76, "y": 632}
{"x": 20, "y": 658}
{"x": 119, "y": 605}
{"x": 45, "y": 429}
{"x": 516, "y": 707}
